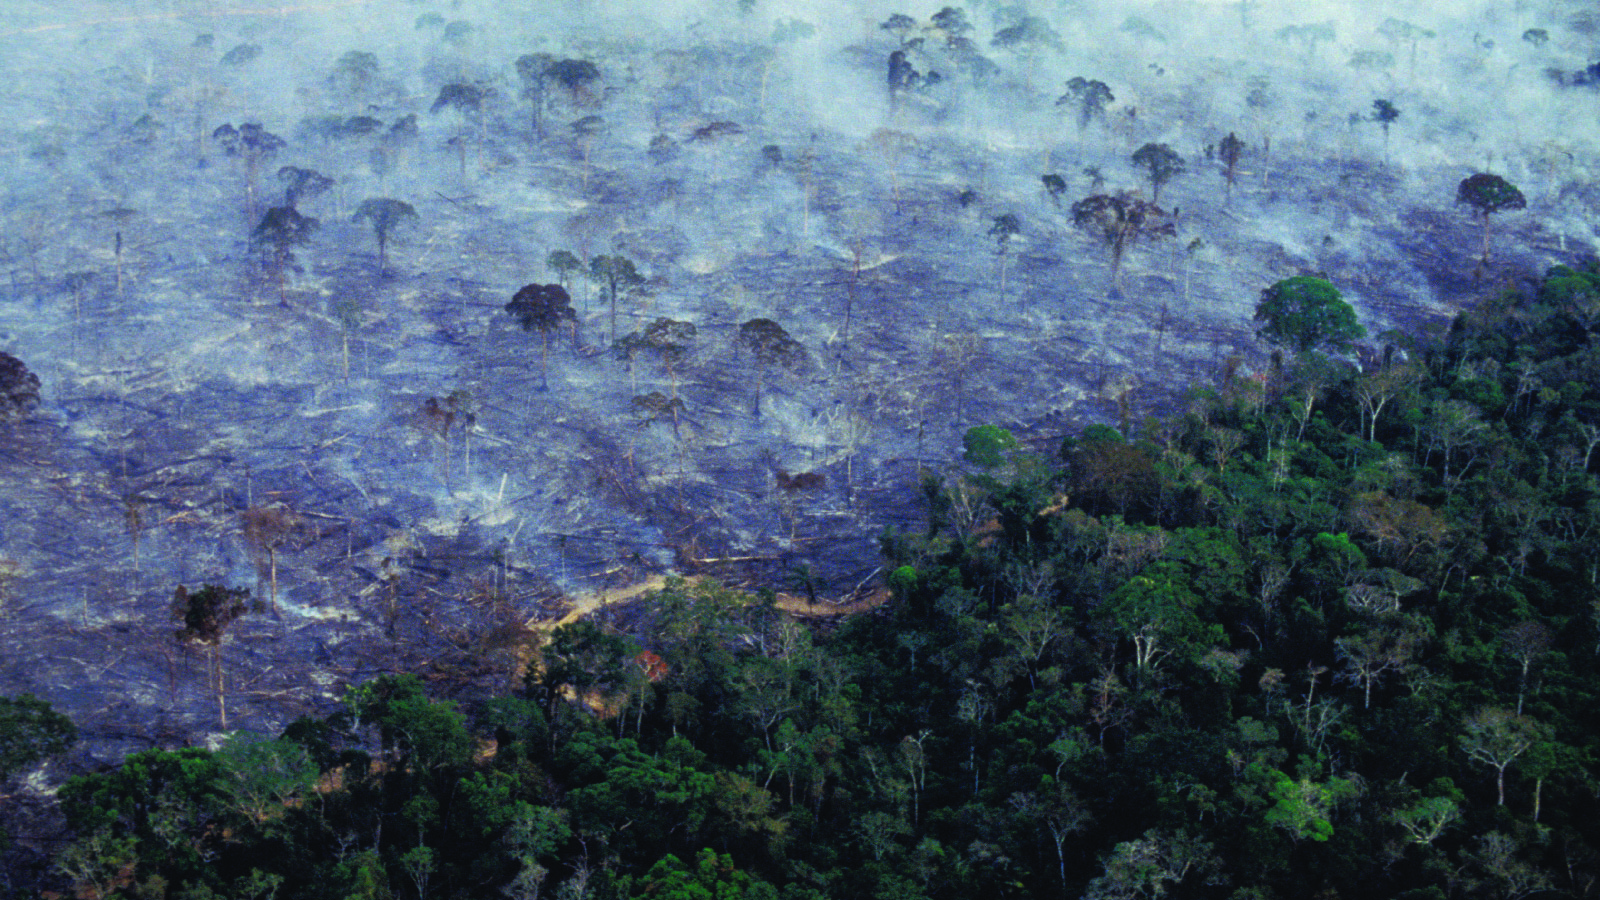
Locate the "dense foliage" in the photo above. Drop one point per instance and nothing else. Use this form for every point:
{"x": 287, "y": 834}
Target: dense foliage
{"x": 1330, "y": 632}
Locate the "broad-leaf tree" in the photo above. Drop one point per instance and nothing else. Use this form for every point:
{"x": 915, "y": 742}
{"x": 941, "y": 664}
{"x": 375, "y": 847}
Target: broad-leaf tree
{"x": 1229, "y": 150}
{"x": 1089, "y": 97}
{"x": 302, "y": 184}
{"x": 1497, "y": 738}
{"x": 281, "y": 230}
{"x": 19, "y": 388}
{"x": 1385, "y": 114}
{"x": 577, "y": 76}
{"x": 30, "y": 730}
{"x": 464, "y": 98}
{"x": 769, "y": 344}
{"x": 1161, "y": 164}
{"x": 671, "y": 340}
{"x": 542, "y": 308}
{"x": 385, "y": 215}
{"x": 1306, "y": 313}
{"x": 354, "y": 73}
{"x": 1120, "y": 220}
{"x": 617, "y": 276}
{"x": 1055, "y": 186}
{"x": 1488, "y": 194}
{"x": 205, "y": 615}
{"x": 1005, "y": 228}
{"x": 253, "y": 144}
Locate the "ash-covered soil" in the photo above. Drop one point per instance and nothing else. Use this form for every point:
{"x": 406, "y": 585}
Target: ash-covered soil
{"x": 185, "y": 386}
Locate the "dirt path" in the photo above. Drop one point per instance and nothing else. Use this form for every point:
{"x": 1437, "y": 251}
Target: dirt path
{"x": 857, "y": 601}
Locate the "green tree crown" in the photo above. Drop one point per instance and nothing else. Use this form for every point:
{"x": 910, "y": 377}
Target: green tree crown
{"x": 1306, "y": 313}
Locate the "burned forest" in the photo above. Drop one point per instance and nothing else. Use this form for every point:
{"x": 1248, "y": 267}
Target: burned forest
{"x": 591, "y": 381}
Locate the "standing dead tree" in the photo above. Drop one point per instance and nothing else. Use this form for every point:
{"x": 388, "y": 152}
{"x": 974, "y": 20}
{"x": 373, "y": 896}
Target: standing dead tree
{"x": 267, "y": 529}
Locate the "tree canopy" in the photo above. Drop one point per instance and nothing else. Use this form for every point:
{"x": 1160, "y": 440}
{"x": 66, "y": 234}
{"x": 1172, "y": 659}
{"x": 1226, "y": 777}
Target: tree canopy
{"x": 384, "y": 215}
{"x": 1488, "y": 194}
{"x": 19, "y": 387}
{"x": 1308, "y": 313}
{"x": 1161, "y": 164}
{"x": 30, "y": 730}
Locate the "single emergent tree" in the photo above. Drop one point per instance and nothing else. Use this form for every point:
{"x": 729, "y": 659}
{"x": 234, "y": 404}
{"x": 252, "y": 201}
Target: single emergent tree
{"x": 1229, "y": 150}
{"x": 1120, "y": 220}
{"x": 19, "y": 388}
{"x": 281, "y": 230}
{"x": 385, "y": 215}
{"x": 1161, "y": 164}
{"x": 1305, "y": 313}
{"x": 616, "y": 275}
{"x": 1488, "y": 194}
{"x": 1004, "y": 229}
{"x": 302, "y": 184}
{"x": 206, "y": 615}
{"x": 1385, "y": 114}
{"x": 542, "y": 308}
{"x": 1090, "y": 96}
{"x": 253, "y": 144}
{"x": 769, "y": 343}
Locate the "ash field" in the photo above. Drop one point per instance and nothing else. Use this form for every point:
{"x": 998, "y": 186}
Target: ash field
{"x": 363, "y": 436}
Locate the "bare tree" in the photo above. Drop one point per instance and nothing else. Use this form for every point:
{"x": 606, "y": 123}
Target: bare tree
{"x": 267, "y": 529}
{"x": 1527, "y": 642}
{"x": 1497, "y": 738}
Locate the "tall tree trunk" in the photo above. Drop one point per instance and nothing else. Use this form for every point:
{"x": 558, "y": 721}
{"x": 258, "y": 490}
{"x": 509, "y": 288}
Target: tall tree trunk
{"x": 216, "y": 679}
{"x": 544, "y": 362}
